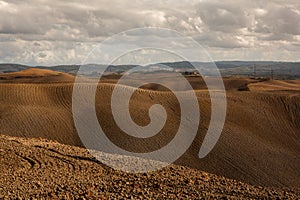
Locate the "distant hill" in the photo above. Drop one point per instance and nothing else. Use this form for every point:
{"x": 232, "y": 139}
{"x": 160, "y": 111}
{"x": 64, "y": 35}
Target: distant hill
{"x": 7, "y": 67}
{"x": 279, "y": 70}
{"x": 36, "y": 75}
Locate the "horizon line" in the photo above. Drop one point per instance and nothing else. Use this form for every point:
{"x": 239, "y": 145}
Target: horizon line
{"x": 77, "y": 64}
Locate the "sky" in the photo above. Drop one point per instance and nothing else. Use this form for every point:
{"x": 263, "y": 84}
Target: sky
{"x": 41, "y": 32}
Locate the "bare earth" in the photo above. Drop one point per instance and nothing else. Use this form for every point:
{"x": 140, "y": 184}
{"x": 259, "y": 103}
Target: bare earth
{"x": 45, "y": 169}
{"x": 257, "y": 156}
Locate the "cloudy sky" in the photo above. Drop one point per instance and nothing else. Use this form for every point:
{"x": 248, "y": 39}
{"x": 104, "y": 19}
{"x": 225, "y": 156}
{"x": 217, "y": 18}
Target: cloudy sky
{"x": 44, "y": 32}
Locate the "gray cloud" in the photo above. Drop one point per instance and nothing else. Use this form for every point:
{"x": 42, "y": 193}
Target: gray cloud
{"x": 59, "y": 32}
{"x": 283, "y": 20}
{"x": 221, "y": 16}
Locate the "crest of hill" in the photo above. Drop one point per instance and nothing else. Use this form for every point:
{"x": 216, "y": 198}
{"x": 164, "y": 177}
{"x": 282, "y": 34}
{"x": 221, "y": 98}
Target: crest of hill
{"x": 35, "y": 72}
{"x": 272, "y": 85}
{"x": 34, "y": 75}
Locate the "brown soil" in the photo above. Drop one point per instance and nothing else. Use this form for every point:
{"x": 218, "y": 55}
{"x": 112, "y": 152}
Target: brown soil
{"x": 260, "y": 143}
{"x": 277, "y": 85}
{"x": 44, "y": 169}
{"x": 35, "y": 75}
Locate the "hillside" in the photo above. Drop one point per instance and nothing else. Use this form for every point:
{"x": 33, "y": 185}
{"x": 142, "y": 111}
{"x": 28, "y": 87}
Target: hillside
{"x": 276, "y": 85}
{"x": 259, "y": 144}
{"x": 44, "y": 169}
{"x": 35, "y": 75}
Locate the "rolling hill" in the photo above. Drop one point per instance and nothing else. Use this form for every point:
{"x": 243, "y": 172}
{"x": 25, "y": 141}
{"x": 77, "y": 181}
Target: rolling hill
{"x": 260, "y": 143}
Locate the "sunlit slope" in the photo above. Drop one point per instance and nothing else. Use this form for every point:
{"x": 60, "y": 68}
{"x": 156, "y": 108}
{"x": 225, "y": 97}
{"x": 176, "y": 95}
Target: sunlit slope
{"x": 35, "y": 75}
{"x": 260, "y": 143}
{"x": 39, "y": 168}
{"x": 272, "y": 85}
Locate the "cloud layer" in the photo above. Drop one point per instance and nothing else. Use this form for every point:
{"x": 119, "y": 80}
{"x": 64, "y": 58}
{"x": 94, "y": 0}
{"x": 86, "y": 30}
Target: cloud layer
{"x": 63, "y": 32}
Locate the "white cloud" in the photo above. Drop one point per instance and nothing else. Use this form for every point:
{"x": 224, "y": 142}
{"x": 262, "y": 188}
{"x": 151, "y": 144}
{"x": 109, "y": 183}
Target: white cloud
{"x": 62, "y": 32}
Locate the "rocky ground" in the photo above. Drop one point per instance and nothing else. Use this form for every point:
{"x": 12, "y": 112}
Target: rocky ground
{"x": 43, "y": 169}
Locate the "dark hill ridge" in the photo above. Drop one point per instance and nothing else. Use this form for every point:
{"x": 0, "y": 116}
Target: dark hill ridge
{"x": 281, "y": 70}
